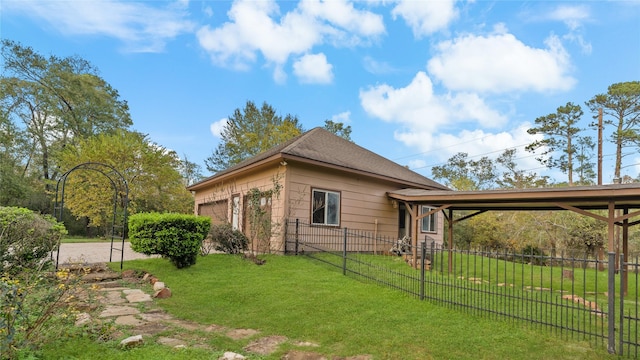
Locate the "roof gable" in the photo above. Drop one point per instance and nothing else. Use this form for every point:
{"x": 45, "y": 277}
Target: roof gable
{"x": 320, "y": 145}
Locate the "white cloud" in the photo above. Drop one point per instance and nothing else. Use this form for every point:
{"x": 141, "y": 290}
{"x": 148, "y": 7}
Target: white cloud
{"x": 313, "y": 69}
{"x": 426, "y": 120}
{"x": 572, "y": 15}
{"x": 343, "y": 117}
{"x": 257, "y": 28}
{"x": 141, "y": 27}
{"x": 377, "y": 67}
{"x": 342, "y": 14}
{"x": 217, "y": 127}
{"x": 500, "y": 63}
{"x": 421, "y": 111}
{"x": 426, "y": 17}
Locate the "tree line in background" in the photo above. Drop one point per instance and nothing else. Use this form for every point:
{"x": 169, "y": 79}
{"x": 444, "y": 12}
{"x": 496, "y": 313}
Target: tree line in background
{"x": 56, "y": 113}
{"x": 565, "y": 146}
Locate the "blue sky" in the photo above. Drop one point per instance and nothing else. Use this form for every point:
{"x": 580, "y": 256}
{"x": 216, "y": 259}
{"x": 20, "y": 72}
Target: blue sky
{"x": 417, "y": 81}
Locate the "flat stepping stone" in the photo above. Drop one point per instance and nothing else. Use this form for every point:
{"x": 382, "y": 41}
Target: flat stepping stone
{"x": 113, "y": 297}
{"x": 156, "y": 316}
{"x": 171, "y": 342}
{"x": 101, "y": 276}
{"x": 112, "y": 311}
{"x": 150, "y": 328}
{"x": 129, "y": 320}
{"x": 137, "y": 296}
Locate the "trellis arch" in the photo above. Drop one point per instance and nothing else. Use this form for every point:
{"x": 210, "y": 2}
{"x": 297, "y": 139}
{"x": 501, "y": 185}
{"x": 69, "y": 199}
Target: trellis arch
{"x": 119, "y": 184}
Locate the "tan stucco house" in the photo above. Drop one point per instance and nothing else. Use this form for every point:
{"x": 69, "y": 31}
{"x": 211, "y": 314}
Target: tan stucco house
{"x": 322, "y": 180}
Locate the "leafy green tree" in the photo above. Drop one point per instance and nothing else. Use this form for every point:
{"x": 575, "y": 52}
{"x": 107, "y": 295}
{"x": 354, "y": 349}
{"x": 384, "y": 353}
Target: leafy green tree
{"x": 250, "y": 131}
{"x": 514, "y": 178}
{"x": 190, "y": 171}
{"x": 560, "y": 131}
{"x": 461, "y": 173}
{"x": 57, "y": 102}
{"x": 151, "y": 171}
{"x": 338, "y": 128}
{"x": 621, "y": 105}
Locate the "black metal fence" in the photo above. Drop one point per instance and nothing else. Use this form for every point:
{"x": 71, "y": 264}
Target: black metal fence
{"x": 578, "y": 297}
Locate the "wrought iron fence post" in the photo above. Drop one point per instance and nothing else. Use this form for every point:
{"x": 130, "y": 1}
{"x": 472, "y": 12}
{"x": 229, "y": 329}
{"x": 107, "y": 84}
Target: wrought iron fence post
{"x": 423, "y": 255}
{"x": 623, "y": 275}
{"x": 611, "y": 278}
{"x": 297, "y": 232}
{"x": 344, "y": 254}
{"x": 433, "y": 251}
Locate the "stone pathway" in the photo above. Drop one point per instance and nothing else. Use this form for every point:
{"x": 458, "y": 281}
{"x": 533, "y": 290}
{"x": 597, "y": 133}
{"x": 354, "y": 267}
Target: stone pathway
{"x": 123, "y": 303}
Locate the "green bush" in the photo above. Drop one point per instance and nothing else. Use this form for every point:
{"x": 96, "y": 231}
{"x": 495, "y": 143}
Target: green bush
{"x": 26, "y": 239}
{"x": 227, "y": 240}
{"x": 177, "y": 237}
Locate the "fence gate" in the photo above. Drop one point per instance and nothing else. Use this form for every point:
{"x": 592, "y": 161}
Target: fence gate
{"x": 118, "y": 225}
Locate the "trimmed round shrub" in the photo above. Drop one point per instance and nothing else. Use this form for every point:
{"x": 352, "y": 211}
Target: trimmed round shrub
{"x": 26, "y": 239}
{"x": 177, "y": 237}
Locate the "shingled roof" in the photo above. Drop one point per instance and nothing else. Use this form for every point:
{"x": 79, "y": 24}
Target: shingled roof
{"x": 320, "y": 145}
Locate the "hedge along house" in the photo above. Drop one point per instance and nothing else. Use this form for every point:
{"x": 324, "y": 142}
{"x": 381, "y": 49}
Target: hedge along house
{"x": 322, "y": 180}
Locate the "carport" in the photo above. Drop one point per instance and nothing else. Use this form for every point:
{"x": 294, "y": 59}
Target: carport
{"x": 621, "y": 203}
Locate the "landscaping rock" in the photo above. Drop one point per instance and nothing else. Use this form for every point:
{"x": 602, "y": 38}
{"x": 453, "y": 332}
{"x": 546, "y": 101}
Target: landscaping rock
{"x": 82, "y": 318}
{"x": 231, "y": 356}
{"x": 131, "y": 341}
{"x": 158, "y": 285}
{"x": 162, "y": 293}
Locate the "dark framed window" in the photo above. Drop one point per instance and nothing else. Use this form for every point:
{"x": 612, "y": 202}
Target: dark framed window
{"x": 325, "y": 207}
{"x": 429, "y": 223}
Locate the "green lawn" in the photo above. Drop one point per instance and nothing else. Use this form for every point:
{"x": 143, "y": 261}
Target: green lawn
{"x": 306, "y": 300}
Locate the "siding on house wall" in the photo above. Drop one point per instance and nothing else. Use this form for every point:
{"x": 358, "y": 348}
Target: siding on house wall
{"x": 240, "y": 185}
{"x": 361, "y": 201}
{"x": 364, "y": 202}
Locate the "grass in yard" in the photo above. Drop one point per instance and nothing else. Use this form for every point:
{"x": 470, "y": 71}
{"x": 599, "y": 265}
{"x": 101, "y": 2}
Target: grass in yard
{"x": 308, "y": 301}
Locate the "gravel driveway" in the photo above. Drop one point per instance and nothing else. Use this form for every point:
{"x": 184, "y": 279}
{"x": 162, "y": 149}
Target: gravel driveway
{"x": 95, "y": 252}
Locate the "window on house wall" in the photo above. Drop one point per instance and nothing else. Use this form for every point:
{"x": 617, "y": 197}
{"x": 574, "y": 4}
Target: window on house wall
{"x": 325, "y": 209}
{"x": 235, "y": 212}
{"x": 430, "y": 222}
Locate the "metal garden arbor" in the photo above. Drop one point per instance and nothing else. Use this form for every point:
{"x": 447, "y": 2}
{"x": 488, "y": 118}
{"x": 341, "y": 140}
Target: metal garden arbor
{"x": 118, "y": 225}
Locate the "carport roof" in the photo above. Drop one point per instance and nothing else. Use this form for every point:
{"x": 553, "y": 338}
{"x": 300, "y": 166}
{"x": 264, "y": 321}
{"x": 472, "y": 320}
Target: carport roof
{"x": 582, "y": 197}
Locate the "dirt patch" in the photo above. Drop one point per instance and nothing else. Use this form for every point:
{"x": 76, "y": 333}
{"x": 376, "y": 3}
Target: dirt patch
{"x": 265, "y": 345}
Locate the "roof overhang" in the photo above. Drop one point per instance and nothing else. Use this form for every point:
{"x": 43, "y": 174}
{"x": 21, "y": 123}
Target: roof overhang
{"x": 581, "y": 197}
{"x": 279, "y": 157}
